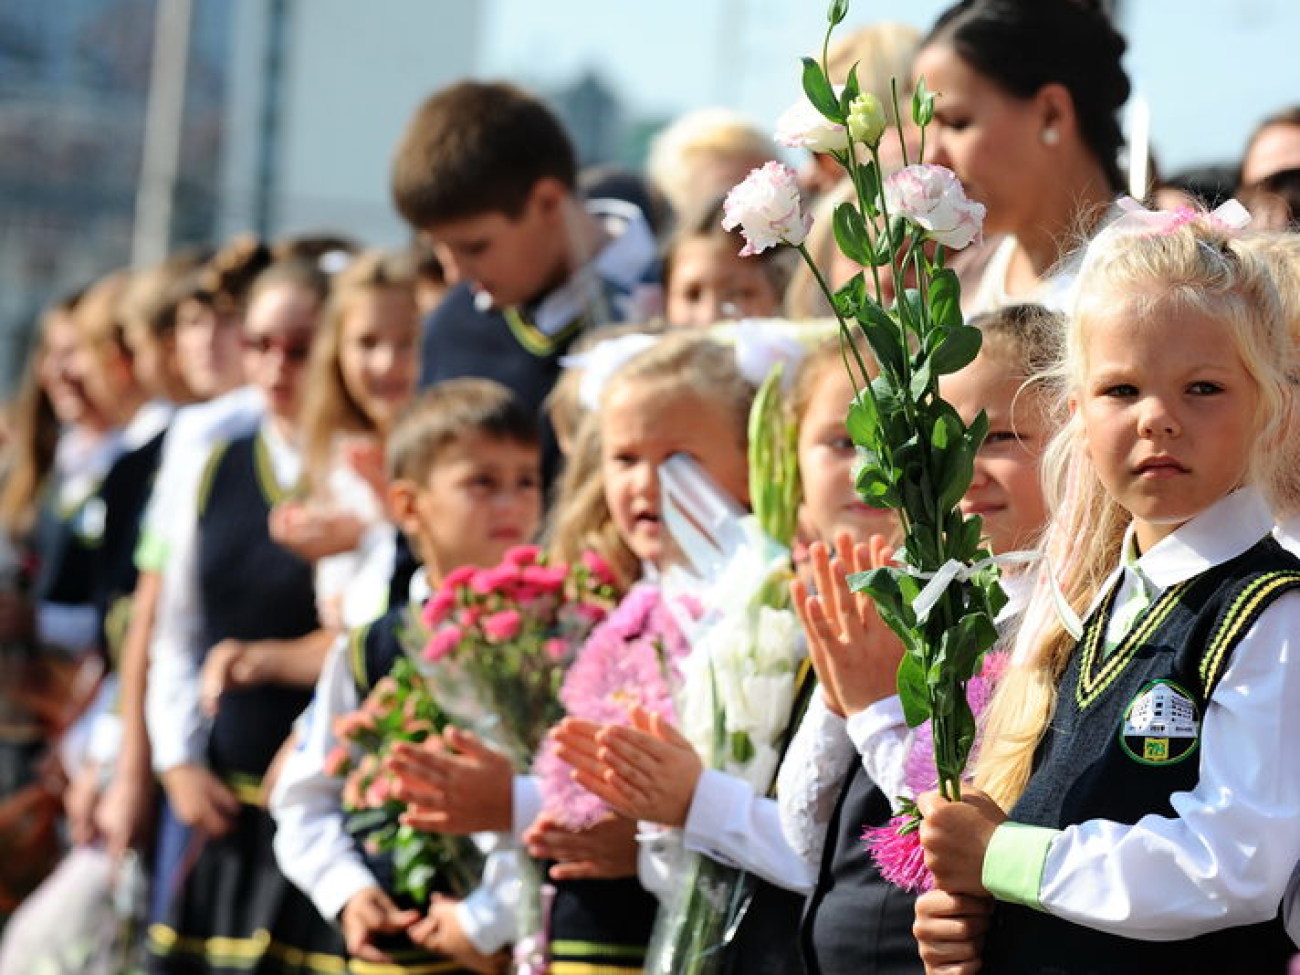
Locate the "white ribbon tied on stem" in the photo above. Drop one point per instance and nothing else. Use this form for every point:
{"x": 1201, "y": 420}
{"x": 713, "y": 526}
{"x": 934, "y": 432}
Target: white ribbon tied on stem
{"x": 954, "y": 571}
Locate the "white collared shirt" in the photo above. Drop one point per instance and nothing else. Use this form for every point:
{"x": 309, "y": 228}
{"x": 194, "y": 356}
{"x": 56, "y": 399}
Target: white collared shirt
{"x": 1224, "y": 859}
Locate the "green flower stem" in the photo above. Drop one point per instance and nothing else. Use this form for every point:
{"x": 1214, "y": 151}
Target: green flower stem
{"x": 844, "y": 326}
{"x": 898, "y": 125}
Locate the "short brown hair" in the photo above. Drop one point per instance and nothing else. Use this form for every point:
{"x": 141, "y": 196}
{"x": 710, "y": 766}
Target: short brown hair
{"x": 478, "y": 148}
{"x": 447, "y": 413}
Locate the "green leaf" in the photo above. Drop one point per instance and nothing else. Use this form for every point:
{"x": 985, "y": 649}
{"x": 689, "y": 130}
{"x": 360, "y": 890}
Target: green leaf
{"x": 884, "y": 337}
{"x": 922, "y": 104}
{"x": 851, "y": 234}
{"x": 863, "y": 422}
{"x": 820, "y": 92}
{"x": 742, "y": 749}
{"x": 945, "y": 300}
{"x": 876, "y": 488}
{"x": 912, "y": 690}
{"x": 867, "y": 179}
{"x": 850, "y": 298}
{"x": 851, "y": 90}
{"x": 957, "y": 350}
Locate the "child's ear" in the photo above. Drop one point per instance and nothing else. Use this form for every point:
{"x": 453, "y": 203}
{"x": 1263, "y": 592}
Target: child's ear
{"x": 1072, "y": 405}
{"x": 401, "y": 500}
{"x": 548, "y": 196}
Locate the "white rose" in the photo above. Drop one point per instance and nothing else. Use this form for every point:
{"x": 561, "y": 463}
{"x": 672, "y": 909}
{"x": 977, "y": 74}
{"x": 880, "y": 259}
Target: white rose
{"x": 932, "y": 198}
{"x": 801, "y": 126}
{"x": 766, "y": 208}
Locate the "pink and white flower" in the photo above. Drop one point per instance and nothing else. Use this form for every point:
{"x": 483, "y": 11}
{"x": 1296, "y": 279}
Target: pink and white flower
{"x": 801, "y": 126}
{"x": 932, "y": 198}
{"x": 766, "y": 208}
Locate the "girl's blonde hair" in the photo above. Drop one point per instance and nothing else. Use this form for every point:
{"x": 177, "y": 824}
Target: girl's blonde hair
{"x": 679, "y": 361}
{"x": 1195, "y": 268}
{"x": 328, "y": 408}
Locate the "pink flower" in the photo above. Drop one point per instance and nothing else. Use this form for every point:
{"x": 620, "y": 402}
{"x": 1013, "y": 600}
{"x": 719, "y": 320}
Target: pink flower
{"x": 337, "y": 761}
{"x": 378, "y": 792}
{"x": 442, "y": 643}
{"x": 350, "y": 726}
{"x": 766, "y": 208}
{"x": 598, "y": 567}
{"x": 556, "y": 649}
{"x": 468, "y": 617}
{"x": 438, "y": 609}
{"x": 522, "y": 555}
{"x": 459, "y": 576}
{"x": 802, "y": 126}
{"x": 632, "y": 658}
{"x": 546, "y": 578}
{"x": 503, "y": 626}
{"x": 933, "y": 199}
{"x": 899, "y": 855}
{"x": 499, "y": 579}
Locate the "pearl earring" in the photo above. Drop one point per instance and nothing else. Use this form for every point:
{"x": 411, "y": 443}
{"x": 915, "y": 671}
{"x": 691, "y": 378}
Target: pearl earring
{"x": 1050, "y": 137}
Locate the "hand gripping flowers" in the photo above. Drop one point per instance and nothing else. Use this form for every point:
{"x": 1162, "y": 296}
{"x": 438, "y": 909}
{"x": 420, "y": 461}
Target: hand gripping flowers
{"x": 916, "y": 453}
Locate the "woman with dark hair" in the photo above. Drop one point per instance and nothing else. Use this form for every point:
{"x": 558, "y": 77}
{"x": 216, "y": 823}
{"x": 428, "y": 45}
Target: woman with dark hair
{"x": 1026, "y": 114}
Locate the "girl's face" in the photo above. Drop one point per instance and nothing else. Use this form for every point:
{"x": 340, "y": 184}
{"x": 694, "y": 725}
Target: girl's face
{"x": 710, "y": 282}
{"x": 1005, "y": 490}
{"x": 642, "y": 425}
{"x": 62, "y": 376}
{"x": 1169, "y": 412}
{"x": 278, "y": 332}
{"x": 377, "y": 357}
{"x": 208, "y": 348}
{"x": 989, "y": 138}
{"x": 826, "y": 458}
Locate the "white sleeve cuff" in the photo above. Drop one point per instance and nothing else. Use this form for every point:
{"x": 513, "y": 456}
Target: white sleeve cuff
{"x": 883, "y": 740}
{"x": 659, "y": 857}
{"x": 344, "y": 880}
{"x": 716, "y": 795}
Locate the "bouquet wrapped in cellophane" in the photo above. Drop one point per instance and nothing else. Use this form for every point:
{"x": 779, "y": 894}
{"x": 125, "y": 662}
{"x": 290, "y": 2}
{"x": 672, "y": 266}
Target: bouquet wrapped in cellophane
{"x": 915, "y": 452}
{"x": 740, "y": 680}
{"x": 495, "y": 647}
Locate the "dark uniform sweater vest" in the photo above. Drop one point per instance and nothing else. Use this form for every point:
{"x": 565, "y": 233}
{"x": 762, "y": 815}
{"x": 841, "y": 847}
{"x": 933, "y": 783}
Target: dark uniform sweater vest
{"x": 250, "y": 588}
{"x": 65, "y": 540}
{"x": 856, "y": 922}
{"x": 125, "y": 494}
{"x": 460, "y": 340}
{"x": 1124, "y": 738}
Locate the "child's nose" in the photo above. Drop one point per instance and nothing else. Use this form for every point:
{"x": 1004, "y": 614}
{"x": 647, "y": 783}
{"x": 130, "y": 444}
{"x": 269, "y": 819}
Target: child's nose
{"x": 1157, "y": 419}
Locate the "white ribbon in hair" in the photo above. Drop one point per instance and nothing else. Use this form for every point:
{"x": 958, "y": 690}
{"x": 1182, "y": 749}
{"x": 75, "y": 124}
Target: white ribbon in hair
{"x": 954, "y": 571}
{"x": 601, "y": 361}
{"x": 762, "y": 344}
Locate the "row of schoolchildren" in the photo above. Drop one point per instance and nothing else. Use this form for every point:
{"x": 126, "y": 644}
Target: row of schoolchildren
{"x": 1182, "y": 439}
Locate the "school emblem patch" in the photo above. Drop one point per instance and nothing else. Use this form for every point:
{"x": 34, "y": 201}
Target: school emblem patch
{"x": 1161, "y": 725}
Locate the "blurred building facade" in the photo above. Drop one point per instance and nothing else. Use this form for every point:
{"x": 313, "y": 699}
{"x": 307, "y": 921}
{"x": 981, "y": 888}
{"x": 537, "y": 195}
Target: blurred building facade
{"x": 291, "y": 112}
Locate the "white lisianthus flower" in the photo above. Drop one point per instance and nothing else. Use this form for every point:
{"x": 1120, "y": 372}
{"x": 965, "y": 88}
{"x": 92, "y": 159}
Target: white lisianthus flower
{"x": 801, "y": 126}
{"x": 867, "y": 119}
{"x": 933, "y": 199}
{"x": 766, "y": 208}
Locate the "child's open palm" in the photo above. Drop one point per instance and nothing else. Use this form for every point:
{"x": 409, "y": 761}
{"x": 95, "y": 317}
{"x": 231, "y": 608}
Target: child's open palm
{"x": 854, "y": 653}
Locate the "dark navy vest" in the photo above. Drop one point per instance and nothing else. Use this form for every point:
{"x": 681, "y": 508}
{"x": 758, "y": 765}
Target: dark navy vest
{"x": 250, "y": 589}
{"x": 856, "y": 922}
{"x": 1124, "y": 738}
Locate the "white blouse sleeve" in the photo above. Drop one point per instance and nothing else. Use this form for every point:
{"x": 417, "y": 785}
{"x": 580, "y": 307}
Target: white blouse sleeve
{"x": 810, "y": 778}
{"x": 1226, "y": 858}
{"x": 883, "y": 740}
{"x": 178, "y": 729}
{"x": 312, "y": 845}
{"x": 729, "y": 823}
